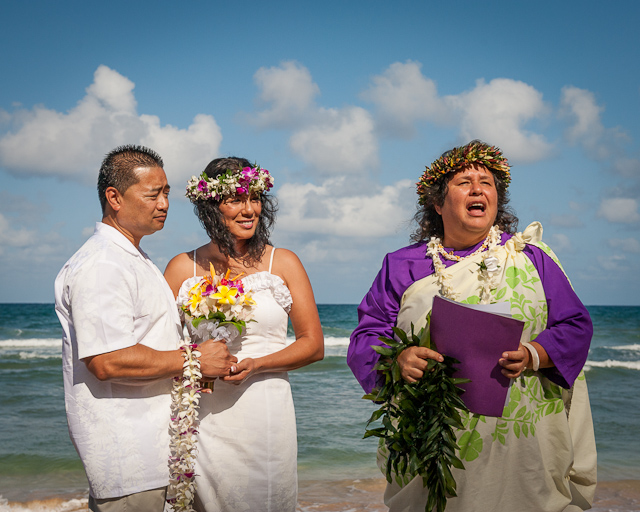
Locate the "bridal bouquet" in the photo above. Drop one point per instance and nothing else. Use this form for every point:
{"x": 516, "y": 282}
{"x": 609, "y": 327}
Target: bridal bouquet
{"x": 217, "y": 304}
{"x": 216, "y": 307}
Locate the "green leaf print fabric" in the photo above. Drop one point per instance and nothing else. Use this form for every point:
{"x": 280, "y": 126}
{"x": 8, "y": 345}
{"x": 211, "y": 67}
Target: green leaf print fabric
{"x": 540, "y": 455}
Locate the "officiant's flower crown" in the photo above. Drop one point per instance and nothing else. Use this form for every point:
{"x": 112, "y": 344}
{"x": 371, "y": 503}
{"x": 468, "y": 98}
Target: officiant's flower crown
{"x": 231, "y": 182}
{"x": 474, "y": 152}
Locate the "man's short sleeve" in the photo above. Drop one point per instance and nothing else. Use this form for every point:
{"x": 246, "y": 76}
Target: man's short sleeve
{"x": 103, "y": 308}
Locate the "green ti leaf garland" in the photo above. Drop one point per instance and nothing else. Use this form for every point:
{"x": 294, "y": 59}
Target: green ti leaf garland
{"x": 418, "y": 419}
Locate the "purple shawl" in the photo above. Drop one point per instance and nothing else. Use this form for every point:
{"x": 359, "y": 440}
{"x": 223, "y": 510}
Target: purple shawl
{"x": 566, "y": 338}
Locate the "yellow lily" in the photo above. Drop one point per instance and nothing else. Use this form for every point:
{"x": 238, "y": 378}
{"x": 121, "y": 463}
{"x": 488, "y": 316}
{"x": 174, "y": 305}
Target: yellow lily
{"x": 248, "y": 300}
{"x": 225, "y": 295}
{"x": 195, "y": 297}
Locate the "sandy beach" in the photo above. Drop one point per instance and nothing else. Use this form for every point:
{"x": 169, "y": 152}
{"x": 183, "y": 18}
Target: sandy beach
{"x": 349, "y": 496}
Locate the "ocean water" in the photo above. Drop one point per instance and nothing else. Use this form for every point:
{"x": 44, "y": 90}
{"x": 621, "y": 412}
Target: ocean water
{"x": 38, "y": 461}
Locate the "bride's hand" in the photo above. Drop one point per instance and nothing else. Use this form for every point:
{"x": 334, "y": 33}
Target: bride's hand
{"x": 241, "y": 371}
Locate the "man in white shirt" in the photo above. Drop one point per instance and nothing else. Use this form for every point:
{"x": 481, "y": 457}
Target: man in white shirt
{"x": 120, "y": 340}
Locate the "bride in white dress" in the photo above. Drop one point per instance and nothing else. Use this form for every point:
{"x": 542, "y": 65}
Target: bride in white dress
{"x": 247, "y": 447}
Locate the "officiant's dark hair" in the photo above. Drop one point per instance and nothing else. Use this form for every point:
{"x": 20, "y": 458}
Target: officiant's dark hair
{"x": 212, "y": 220}
{"x": 118, "y": 168}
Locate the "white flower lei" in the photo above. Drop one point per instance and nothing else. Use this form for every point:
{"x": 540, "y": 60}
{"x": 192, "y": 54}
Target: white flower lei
{"x": 488, "y": 268}
{"x": 185, "y": 400}
{"x": 232, "y": 306}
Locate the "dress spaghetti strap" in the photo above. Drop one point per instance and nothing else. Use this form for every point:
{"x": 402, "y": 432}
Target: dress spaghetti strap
{"x": 273, "y": 251}
{"x": 194, "y": 262}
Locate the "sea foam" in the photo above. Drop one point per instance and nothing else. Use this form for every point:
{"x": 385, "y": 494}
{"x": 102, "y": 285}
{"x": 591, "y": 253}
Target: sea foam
{"x": 632, "y": 348}
{"x": 609, "y": 363}
{"x": 47, "y": 505}
{"x": 31, "y": 343}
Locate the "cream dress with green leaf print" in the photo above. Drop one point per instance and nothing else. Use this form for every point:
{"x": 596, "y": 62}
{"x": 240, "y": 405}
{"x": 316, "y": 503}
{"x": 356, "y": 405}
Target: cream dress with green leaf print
{"x": 540, "y": 456}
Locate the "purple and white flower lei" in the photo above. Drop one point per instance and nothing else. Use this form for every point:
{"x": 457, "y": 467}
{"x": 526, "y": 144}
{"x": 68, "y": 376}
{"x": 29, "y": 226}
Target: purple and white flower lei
{"x": 183, "y": 430}
{"x": 230, "y": 183}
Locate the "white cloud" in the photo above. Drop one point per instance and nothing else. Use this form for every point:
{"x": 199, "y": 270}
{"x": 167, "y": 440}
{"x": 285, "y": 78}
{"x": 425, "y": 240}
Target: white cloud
{"x": 579, "y": 105}
{"x": 335, "y": 140}
{"x": 612, "y": 263}
{"x": 185, "y": 152}
{"x": 341, "y": 141}
{"x": 289, "y": 90}
{"x": 579, "y": 207}
{"x": 29, "y": 209}
{"x": 72, "y": 144}
{"x": 328, "y": 250}
{"x": 10, "y": 237}
{"x": 5, "y": 117}
{"x": 498, "y": 112}
{"x": 317, "y": 251}
{"x": 113, "y": 90}
{"x": 561, "y": 243}
{"x": 627, "y": 167}
{"x": 631, "y": 245}
{"x": 22, "y": 247}
{"x": 403, "y": 95}
{"x": 334, "y": 208}
{"x": 566, "y": 221}
{"x": 330, "y": 141}
{"x": 622, "y": 210}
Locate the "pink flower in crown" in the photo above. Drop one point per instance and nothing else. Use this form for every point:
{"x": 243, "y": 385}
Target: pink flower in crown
{"x": 249, "y": 173}
{"x": 246, "y": 176}
{"x": 241, "y": 190}
{"x": 268, "y": 181}
{"x": 202, "y": 186}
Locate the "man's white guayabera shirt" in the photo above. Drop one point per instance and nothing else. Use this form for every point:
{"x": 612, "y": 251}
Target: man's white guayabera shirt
{"x": 110, "y": 296}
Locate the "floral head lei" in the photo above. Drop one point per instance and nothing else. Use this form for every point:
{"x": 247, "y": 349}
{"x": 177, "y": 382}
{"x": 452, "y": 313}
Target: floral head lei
{"x": 454, "y": 160}
{"x": 230, "y": 183}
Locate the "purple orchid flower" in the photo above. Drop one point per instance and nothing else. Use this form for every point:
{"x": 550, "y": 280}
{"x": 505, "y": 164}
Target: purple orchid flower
{"x": 208, "y": 290}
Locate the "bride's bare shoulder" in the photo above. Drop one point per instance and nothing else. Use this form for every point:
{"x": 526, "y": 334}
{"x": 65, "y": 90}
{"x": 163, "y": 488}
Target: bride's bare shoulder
{"x": 287, "y": 265}
{"x": 179, "y": 269}
{"x": 179, "y": 261}
{"x": 284, "y": 256}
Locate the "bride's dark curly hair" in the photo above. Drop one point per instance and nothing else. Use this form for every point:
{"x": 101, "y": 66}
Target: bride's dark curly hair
{"x": 212, "y": 220}
{"x": 430, "y": 222}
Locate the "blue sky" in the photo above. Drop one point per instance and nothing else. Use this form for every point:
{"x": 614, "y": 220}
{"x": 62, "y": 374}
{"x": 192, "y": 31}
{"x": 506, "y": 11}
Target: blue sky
{"x": 344, "y": 102}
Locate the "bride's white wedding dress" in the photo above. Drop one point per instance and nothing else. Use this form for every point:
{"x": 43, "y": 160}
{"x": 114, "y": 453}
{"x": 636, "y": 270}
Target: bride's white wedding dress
{"x": 247, "y": 445}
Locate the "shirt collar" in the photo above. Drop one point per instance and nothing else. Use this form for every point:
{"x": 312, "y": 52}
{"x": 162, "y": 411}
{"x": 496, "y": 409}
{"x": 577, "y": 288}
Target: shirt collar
{"x": 115, "y": 236}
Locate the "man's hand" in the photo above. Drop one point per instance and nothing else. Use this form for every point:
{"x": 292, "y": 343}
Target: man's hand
{"x": 215, "y": 359}
{"x": 413, "y": 362}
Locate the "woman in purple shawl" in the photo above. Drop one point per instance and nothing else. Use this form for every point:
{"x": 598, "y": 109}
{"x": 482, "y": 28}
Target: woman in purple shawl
{"x": 540, "y": 454}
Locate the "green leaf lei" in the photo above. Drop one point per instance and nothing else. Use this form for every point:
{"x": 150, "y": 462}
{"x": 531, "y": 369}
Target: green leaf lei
{"x": 418, "y": 419}
{"x": 474, "y": 152}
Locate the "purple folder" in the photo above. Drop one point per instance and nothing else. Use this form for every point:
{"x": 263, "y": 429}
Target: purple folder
{"x": 477, "y": 339}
